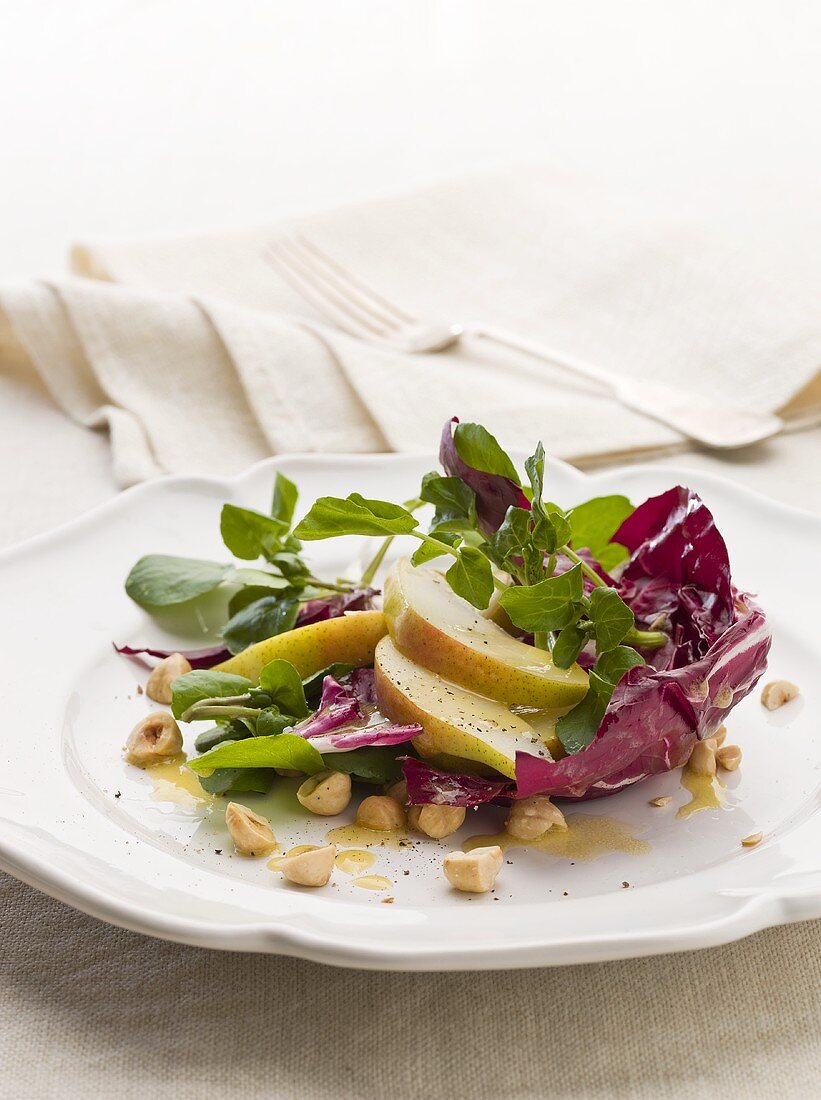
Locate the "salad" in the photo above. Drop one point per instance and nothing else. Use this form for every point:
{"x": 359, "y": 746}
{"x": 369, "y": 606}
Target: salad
{"x": 516, "y": 654}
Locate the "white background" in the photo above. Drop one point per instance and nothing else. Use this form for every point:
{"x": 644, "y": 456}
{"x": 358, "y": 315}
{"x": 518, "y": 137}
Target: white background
{"x": 134, "y": 118}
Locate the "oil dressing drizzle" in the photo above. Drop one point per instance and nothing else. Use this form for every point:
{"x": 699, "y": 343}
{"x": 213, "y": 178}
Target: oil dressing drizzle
{"x": 586, "y": 837}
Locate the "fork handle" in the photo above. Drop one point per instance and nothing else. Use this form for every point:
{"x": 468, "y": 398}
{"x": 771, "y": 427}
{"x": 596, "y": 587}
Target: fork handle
{"x": 539, "y": 351}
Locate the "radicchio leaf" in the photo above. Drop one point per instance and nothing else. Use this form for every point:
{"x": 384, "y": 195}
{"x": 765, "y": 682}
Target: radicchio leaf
{"x": 316, "y": 611}
{"x": 427, "y": 784}
{"x": 494, "y": 492}
{"x": 341, "y": 721}
{"x": 679, "y": 571}
{"x": 197, "y": 658}
{"x": 378, "y": 736}
{"x": 654, "y": 718}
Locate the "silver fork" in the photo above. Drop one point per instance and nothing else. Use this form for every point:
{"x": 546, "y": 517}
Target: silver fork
{"x": 347, "y": 302}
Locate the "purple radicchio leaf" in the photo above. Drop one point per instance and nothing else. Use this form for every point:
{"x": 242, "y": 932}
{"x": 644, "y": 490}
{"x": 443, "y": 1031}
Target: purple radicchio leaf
{"x": 363, "y": 685}
{"x": 197, "y": 658}
{"x": 678, "y": 574}
{"x": 341, "y": 720}
{"x": 654, "y": 717}
{"x": 378, "y": 736}
{"x": 338, "y": 707}
{"x": 316, "y": 611}
{"x": 427, "y": 784}
{"x": 494, "y": 492}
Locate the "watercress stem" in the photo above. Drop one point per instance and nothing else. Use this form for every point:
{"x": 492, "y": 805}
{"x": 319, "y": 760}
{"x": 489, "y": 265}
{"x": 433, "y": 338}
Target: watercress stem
{"x": 379, "y": 556}
{"x": 645, "y": 639}
{"x": 588, "y": 570}
{"x": 198, "y": 711}
{"x": 328, "y": 586}
{"x": 376, "y": 561}
{"x": 540, "y": 640}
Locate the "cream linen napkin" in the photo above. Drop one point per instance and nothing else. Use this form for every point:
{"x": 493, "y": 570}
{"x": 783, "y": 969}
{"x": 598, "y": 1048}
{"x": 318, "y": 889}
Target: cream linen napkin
{"x": 204, "y": 360}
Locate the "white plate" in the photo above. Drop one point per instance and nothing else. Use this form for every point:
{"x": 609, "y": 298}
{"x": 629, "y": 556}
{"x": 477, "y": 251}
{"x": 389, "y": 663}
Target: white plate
{"x": 79, "y": 824}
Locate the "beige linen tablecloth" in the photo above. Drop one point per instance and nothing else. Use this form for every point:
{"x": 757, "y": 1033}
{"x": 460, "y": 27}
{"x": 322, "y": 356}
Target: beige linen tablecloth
{"x": 91, "y": 1011}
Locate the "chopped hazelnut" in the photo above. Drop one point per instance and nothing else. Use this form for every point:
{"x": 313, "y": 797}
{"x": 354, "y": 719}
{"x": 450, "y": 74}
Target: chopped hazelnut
{"x": 153, "y": 739}
{"x": 532, "y": 817}
{"x": 163, "y": 676}
{"x": 312, "y": 867}
{"x": 436, "y": 821}
{"x": 473, "y": 872}
{"x": 251, "y": 833}
{"x": 777, "y": 693}
{"x": 327, "y": 793}
{"x": 729, "y": 757}
{"x": 378, "y": 811}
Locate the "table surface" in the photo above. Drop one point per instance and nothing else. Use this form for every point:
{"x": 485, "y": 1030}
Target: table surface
{"x": 133, "y": 120}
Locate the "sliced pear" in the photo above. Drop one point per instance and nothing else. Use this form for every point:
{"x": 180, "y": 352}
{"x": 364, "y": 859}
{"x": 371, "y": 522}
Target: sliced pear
{"x": 436, "y": 628}
{"x": 349, "y": 639}
{"x": 456, "y": 723}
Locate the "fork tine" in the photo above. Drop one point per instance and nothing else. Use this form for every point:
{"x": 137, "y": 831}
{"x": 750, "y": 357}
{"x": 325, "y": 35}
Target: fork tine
{"x": 368, "y": 296}
{"x": 343, "y": 294}
{"x": 340, "y": 315}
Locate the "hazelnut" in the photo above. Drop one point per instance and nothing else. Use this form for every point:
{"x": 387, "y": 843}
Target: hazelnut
{"x": 531, "y": 817}
{"x": 702, "y": 759}
{"x": 729, "y": 757}
{"x": 153, "y": 739}
{"x": 310, "y": 868}
{"x": 436, "y": 821}
{"x": 159, "y": 682}
{"x": 251, "y": 833}
{"x": 398, "y": 792}
{"x": 474, "y": 872}
{"x": 751, "y": 840}
{"x": 777, "y": 693}
{"x": 326, "y": 793}
{"x": 378, "y": 811}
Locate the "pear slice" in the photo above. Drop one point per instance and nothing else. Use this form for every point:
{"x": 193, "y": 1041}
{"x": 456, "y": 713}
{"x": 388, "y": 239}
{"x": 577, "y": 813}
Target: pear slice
{"x": 456, "y": 722}
{"x": 349, "y": 639}
{"x": 436, "y": 628}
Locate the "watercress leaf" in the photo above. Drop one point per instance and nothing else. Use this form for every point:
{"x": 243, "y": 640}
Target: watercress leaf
{"x": 513, "y": 534}
{"x": 312, "y": 685}
{"x": 551, "y": 604}
{"x": 291, "y": 565}
{"x": 285, "y": 750}
{"x": 471, "y": 577}
{"x": 594, "y": 523}
{"x": 568, "y": 646}
{"x": 237, "y": 780}
{"x": 354, "y": 515}
{"x": 259, "y": 578}
{"x": 534, "y": 468}
{"x": 561, "y": 526}
{"x": 160, "y": 580}
{"x": 453, "y": 499}
{"x": 260, "y": 620}
{"x": 612, "y": 665}
{"x": 284, "y": 684}
{"x": 611, "y": 616}
{"x": 286, "y": 495}
{"x": 427, "y": 551}
{"x": 544, "y": 534}
{"x": 253, "y": 592}
{"x": 205, "y": 683}
{"x": 578, "y": 727}
{"x": 235, "y": 730}
{"x": 271, "y": 722}
{"x": 371, "y": 765}
{"x": 249, "y": 535}
{"x": 479, "y": 449}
